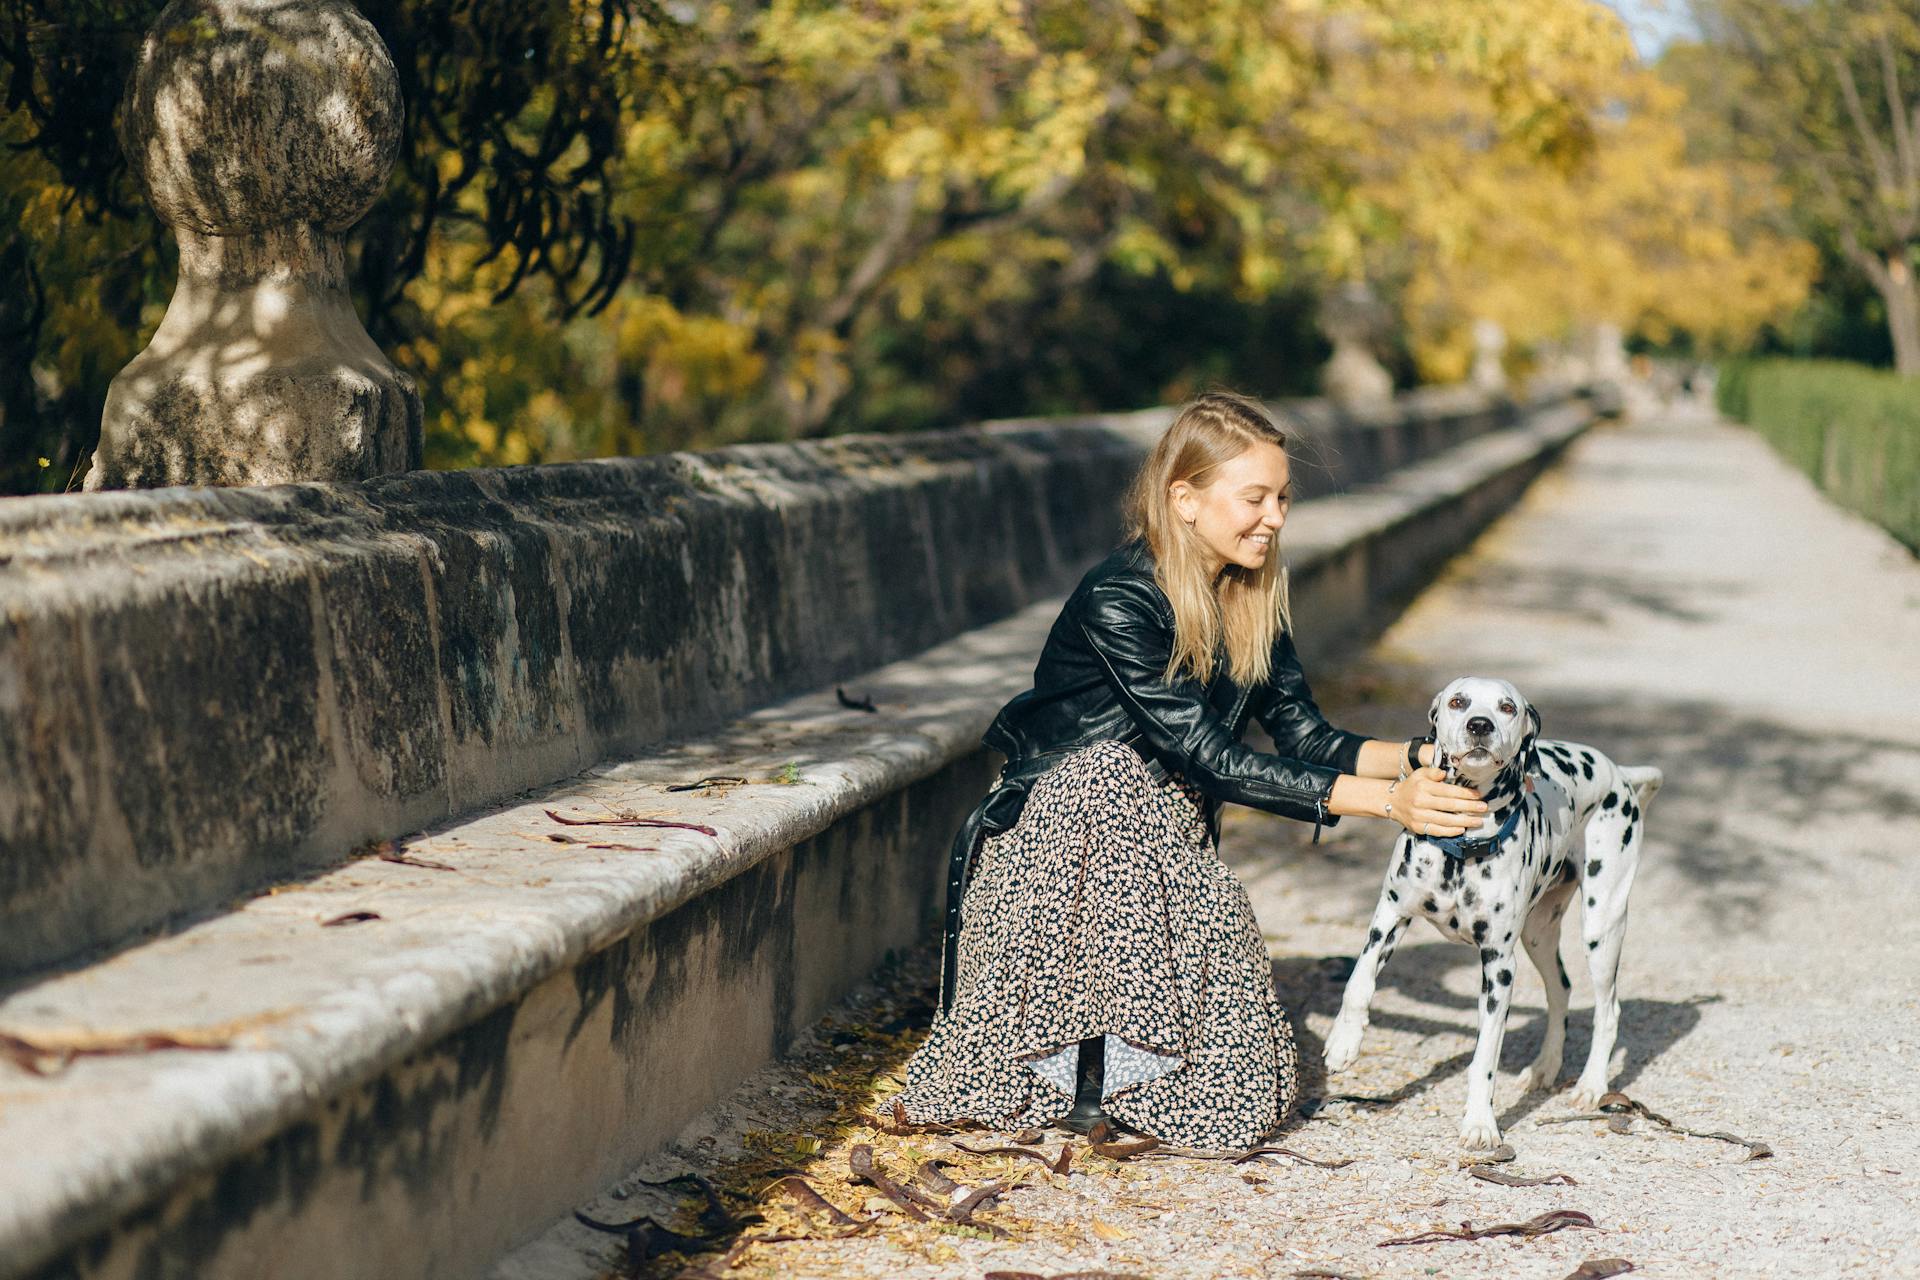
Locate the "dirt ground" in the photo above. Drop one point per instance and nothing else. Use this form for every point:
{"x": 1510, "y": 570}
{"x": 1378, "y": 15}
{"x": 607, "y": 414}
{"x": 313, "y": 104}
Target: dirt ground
{"x": 1672, "y": 595}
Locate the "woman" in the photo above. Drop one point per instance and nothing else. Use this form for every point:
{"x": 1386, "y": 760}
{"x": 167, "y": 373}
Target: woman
{"x": 1104, "y": 957}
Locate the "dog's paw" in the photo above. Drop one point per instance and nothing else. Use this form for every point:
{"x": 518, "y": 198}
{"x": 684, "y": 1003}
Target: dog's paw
{"x": 1479, "y": 1132}
{"x": 1587, "y": 1094}
{"x": 1542, "y": 1075}
{"x": 1343, "y": 1045}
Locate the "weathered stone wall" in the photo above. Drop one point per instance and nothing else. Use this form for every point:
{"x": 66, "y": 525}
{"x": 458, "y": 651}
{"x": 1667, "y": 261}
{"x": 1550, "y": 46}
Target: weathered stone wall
{"x": 203, "y": 691}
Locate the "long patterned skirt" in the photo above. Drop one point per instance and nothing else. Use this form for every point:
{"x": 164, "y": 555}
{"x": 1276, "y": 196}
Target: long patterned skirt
{"x": 1105, "y": 911}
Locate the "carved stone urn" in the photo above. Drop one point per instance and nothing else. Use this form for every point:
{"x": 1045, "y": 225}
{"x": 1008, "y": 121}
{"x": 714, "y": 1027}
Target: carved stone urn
{"x": 262, "y": 130}
{"x": 1352, "y": 316}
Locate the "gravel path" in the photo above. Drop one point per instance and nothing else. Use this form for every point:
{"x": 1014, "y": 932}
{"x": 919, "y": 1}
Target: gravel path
{"x": 1674, "y": 595}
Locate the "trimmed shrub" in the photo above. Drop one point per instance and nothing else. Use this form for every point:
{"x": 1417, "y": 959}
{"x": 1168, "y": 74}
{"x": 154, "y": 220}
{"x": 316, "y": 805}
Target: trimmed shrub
{"x": 1855, "y": 430}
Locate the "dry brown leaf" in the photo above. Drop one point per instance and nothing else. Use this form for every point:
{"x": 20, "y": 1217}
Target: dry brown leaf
{"x": 1110, "y": 1233}
{"x": 50, "y": 1051}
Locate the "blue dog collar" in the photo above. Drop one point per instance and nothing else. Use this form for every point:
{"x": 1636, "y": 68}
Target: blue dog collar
{"x": 1466, "y": 848}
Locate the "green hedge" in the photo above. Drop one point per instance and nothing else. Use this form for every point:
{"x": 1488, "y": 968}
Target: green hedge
{"x": 1855, "y": 430}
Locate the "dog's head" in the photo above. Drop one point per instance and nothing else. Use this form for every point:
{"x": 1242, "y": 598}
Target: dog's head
{"x": 1482, "y": 726}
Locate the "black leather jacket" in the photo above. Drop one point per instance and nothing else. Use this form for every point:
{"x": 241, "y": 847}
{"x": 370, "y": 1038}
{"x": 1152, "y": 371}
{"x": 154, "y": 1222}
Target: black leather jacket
{"x": 1100, "y": 679}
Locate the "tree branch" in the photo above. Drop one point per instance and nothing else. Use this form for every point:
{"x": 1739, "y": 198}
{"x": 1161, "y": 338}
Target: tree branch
{"x": 1902, "y": 134}
{"x": 1882, "y": 166}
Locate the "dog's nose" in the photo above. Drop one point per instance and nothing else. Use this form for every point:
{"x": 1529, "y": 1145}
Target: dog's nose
{"x": 1480, "y": 725}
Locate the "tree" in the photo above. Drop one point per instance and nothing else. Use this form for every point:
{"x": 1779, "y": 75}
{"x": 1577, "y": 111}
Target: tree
{"x": 1827, "y": 91}
{"x": 620, "y": 227}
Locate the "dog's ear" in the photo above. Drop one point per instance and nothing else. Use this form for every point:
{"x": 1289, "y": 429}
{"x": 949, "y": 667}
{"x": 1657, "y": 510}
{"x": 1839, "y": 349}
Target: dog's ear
{"x": 1433, "y": 711}
{"x": 1529, "y": 752}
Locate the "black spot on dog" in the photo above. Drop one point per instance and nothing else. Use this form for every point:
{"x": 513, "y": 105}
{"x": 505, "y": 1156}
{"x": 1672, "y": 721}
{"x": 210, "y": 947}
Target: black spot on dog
{"x": 1586, "y": 757}
{"x": 1486, "y": 984}
{"x": 1493, "y": 1003}
{"x": 1393, "y": 895}
{"x": 1586, "y": 768}
{"x": 1373, "y": 937}
{"x": 1479, "y": 930}
{"x": 1453, "y": 922}
{"x": 1593, "y": 943}
{"x": 1590, "y": 902}
{"x": 1611, "y": 799}
{"x": 1626, "y": 837}
{"x": 1593, "y": 866}
{"x": 1430, "y": 906}
{"x": 1468, "y": 898}
{"x": 1488, "y": 955}
{"x": 1509, "y": 937}
{"x": 1506, "y": 977}
{"x": 1486, "y": 873}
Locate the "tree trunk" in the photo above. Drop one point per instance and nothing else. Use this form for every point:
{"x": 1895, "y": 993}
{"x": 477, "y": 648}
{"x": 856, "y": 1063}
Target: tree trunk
{"x": 1903, "y": 317}
{"x": 1894, "y": 280}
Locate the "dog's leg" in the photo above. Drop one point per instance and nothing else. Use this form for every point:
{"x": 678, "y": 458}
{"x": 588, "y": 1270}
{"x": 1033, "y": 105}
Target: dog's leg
{"x": 1479, "y": 1129}
{"x": 1541, "y": 937}
{"x": 1383, "y": 931}
{"x": 1613, "y": 855}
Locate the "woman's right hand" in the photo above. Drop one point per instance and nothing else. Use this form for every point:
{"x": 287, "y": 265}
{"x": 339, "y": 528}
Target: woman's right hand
{"x": 1425, "y": 803}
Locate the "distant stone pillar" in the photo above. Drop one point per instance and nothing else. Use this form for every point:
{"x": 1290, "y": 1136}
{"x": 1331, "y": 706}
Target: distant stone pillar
{"x": 1489, "y": 344}
{"x": 1351, "y": 317}
{"x": 1609, "y": 353}
{"x": 262, "y": 130}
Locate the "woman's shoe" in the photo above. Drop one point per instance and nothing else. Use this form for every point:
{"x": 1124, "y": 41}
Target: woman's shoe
{"x": 1089, "y": 1084}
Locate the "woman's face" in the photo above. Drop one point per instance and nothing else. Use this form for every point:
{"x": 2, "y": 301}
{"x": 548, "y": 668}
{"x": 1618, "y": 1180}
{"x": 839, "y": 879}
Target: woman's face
{"x": 1238, "y": 516}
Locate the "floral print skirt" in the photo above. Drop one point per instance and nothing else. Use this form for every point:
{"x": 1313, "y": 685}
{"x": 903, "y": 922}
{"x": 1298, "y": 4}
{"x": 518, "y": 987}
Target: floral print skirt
{"x": 1106, "y": 911}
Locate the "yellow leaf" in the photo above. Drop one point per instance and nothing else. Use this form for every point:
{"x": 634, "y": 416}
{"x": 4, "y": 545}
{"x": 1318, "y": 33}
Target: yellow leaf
{"x": 1109, "y": 1233}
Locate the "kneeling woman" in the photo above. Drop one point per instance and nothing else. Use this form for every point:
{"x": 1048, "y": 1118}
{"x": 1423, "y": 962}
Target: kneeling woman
{"x": 1100, "y": 955}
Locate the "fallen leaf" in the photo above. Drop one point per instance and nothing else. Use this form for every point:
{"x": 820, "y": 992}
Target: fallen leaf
{"x": 1542, "y": 1224}
{"x": 630, "y": 822}
{"x": 1110, "y": 1233}
{"x": 1505, "y": 1179}
{"x": 1600, "y": 1269}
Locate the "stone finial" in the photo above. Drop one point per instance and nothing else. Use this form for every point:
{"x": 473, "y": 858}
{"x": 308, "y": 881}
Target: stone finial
{"x": 1609, "y": 352}
{"x": 1351, "y": 316}
{"x": 261, "y": 130}
{"x": 1489, "y": 344}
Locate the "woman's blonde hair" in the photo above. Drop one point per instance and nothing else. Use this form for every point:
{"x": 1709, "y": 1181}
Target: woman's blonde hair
{"x": 1247, "y": 609}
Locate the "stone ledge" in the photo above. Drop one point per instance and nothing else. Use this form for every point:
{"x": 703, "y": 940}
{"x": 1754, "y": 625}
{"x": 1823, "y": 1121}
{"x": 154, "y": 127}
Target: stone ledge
{"x": 405, "y": 1070}
{"x": 205, "y": 691}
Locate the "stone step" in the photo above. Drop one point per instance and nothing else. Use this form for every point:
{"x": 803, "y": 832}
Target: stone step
{"x": 407, "y": 1067}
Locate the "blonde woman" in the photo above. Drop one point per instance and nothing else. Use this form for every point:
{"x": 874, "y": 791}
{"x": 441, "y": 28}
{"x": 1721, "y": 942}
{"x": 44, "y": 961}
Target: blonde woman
{"x": 1102, "y": 962}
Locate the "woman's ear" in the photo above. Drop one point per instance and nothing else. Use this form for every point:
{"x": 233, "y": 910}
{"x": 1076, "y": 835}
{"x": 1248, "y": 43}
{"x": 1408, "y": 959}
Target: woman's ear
{"x": 1181, "y": 497}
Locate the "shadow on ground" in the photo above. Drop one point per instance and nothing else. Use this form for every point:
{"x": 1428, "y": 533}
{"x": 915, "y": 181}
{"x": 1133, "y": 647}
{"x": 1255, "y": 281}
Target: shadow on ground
{"x": 1313, "y": 984}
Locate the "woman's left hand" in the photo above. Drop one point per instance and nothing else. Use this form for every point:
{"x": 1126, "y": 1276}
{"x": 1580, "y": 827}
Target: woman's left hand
{"x": 1425, "y": 803}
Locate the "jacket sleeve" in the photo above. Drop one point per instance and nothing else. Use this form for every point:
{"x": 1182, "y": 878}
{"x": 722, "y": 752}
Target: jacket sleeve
{"x": 1286, "y": 710}
{"x": 1122, "y": 624}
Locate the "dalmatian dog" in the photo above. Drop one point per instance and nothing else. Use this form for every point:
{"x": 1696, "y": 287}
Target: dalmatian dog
{"x": 1562, "y": 819}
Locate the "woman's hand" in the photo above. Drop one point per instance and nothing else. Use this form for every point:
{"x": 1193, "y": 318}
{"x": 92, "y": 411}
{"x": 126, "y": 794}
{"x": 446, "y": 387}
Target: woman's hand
{"x": 1425, "y": 803}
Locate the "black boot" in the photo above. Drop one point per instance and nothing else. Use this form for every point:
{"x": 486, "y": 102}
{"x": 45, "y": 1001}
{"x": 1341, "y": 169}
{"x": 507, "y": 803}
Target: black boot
{"x": 1088, "y": 1086}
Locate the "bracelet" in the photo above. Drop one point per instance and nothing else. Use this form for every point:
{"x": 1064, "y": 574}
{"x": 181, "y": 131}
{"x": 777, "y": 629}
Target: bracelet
{"x": 1388, "y": 811}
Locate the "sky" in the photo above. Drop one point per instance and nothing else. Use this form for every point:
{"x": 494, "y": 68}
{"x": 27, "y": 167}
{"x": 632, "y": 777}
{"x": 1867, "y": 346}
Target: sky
{"x": 1653, "y": 22}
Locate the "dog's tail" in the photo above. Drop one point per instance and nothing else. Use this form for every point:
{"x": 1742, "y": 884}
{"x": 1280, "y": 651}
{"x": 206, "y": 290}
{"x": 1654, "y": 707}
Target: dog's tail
{"x": 1645, "y": 781}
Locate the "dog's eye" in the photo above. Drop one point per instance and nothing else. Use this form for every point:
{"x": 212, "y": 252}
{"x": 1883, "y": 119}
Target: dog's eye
{"x": 1458, "y": 702}
{"x": 1506, "y": 707}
